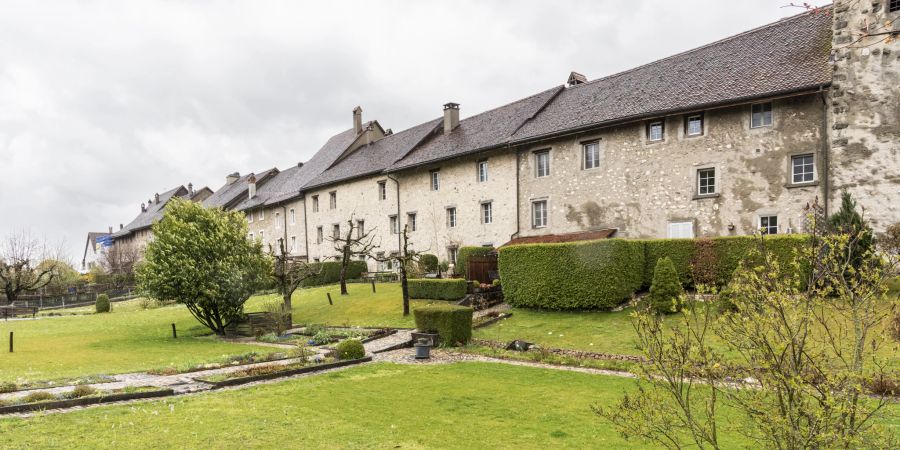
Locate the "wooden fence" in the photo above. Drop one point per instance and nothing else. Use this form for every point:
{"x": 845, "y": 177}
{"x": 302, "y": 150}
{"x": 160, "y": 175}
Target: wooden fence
{"x": 483, "y": 268}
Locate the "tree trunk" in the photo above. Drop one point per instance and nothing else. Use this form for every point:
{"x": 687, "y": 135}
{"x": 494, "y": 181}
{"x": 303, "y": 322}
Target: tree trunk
{"x": 405, "y": 288}
{"x": 345, "y": 261}
{"x": 287, "y": 301}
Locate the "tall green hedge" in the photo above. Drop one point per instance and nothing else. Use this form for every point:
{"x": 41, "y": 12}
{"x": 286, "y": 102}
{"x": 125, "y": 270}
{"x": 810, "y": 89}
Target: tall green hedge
{"x": 453, "y": 323}
{"x": 331, "y": 272}
{"x": 437, "y": 289}
{"x": 679, "y": 251}
{"x": 577, "y": 275}
{"x": 462, "y": 259}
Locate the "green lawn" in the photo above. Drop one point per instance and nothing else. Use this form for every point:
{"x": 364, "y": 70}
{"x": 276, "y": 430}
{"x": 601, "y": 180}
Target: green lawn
{"x": 464, "y": 405}
{"x": 360, "y": 308}
{"x": 128, "y": 339}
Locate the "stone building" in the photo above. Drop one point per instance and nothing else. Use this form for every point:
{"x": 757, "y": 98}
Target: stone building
{"x": 138, "y": 232}
{"x": 730, "y": 138}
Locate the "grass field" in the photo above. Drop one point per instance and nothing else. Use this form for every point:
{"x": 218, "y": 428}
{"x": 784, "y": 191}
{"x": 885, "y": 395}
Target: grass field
{"x": 128, "y": 339}
{"x": 464, "y": 405}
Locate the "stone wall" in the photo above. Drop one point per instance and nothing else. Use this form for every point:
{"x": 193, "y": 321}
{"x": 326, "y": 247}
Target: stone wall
{"x": 865, "y": 109}
{"x": 640, "y": 186}
{"x": 276, "y": 223}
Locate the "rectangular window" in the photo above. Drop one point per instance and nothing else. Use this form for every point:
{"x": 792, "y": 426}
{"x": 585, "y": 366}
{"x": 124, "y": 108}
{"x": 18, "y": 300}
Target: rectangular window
{"x": 451, "y": 217}
{"x": 360, "y": 228}
{"x": 768, "y": 224}
{"x": 320, "y": 235}
{"x": 681, "y": 229}
{"x": 706, "y": 181}
{"x": 451, "y": 254}
{"x": 250, "y": 235}
{"x": 542, "y": 163}
{"x": 693, "y": 125}
{"x": 894, "y": 6}
{"x": 539, "y": 214}
{"x": 262, "y": 235}
{"x": 411, "y": 221}
{"x": 435, "y": 179}
{"x": 591, "y": 155}
{"x": 379, "y": 265}
{"x": 261, "y": 215}
{"x": 293, "y": 244}
{"x": 336, "y": 231}
{"x": 394, "y": 224}
{"x": 382, "y": 190}
{"x": 487, "y": 213}
{"x": 761, "y": 115}
{"x": 293, "y": 217}
{"x": 332, "y": 200}
{"x": 315, "y": 203}
{"x": 277, "y": 220}
{"x": 482, "y": 168}
{"x": 656, "y": 131}
{"x": 803, "y": 169}
{"x": 250, "y": 217}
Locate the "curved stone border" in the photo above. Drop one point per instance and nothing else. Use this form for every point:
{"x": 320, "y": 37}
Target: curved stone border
{"x": 283, "y": 373}
{"x": 84, "y": 401}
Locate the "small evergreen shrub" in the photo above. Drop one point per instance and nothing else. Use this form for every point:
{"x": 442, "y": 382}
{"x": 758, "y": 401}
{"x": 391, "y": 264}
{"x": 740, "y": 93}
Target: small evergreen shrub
{"x": 453, "y": 323}
{"x": 102, "y": 305}
{"x": 462, "y": 258}
{"x": 666, "y": 291}
{"x": 429, "y": 262}
{"x": 350, "y": 349}
{"x": 437, "y": 289}
{"x": 680, "y": 251}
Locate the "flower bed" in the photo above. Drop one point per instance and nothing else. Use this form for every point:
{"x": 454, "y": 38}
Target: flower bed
{"x": 19, "y": 386}
{"x": 272, "y": 372}
{"x": 234, "y": 360}
{"x": 43, "y": 400}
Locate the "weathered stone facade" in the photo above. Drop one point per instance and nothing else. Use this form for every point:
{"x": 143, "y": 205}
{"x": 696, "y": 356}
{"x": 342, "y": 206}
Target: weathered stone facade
{"x": 640, "y": 186}
{"x": 865, "y": 108}
{"x": 283, "y": 221}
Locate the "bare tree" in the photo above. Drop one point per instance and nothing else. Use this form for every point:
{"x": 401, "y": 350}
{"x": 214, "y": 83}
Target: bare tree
{"x": 356, "y": 241}
{"x": 290, "y": 272}
{"x": 403, "y": 258}
{"x": 26, "y": 264}
{"x": 119, "y": 261}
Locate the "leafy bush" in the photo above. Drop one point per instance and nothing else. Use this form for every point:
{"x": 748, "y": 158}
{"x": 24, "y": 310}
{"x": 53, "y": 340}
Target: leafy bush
{"x": 453, "y": 323}
{"x": 39, "y": 396}
{"x": 102, "y": 305}
{"x": 437, "y": 289}
{"x": 8, "y": 386}
{"x": 80, "y": 391}
{"x": 666, "y": 291}
{"x": 350, "y": 349}
{"x": 321, "y": 338}
{"x": 444, "y": 266}
{"x": 331, "y": 272}
{"x": 462, "y": 257}
{"x": 429, "y": 262}
{"x": 573, "y": 275}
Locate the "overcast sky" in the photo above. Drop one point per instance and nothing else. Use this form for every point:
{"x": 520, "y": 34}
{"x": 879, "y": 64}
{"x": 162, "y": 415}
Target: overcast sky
{"x": 103, "y": 104}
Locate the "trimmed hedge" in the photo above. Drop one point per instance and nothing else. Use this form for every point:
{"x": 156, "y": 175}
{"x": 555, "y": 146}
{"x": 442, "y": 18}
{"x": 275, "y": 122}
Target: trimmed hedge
{"x": 331, "y": 272}
{"x": 601, "y": 274}
{"x": 453, "y": 323}
{"x": 573, "y": 275}
{"x": 437, "y": 289}
{"x": 462, "y": 259}
{"x": 429, "y": 262}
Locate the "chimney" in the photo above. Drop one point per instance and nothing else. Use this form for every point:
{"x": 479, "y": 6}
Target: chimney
{"x": 357, "y": 119}
{"x": 191, "y": 188}
{"x": 251, "y": 185}
{"x": 576, "y": 78}
{"x": 110, "y": 229}
{"x": 121, "y": 226}
{"x": 299, "y": 164}
{"x": 451, "y": 116}
{"x": 143, "y": 207}
{"x": 388, "y": 132}
{"x": 156, "y": 198}
{"x": 232, "y": 177}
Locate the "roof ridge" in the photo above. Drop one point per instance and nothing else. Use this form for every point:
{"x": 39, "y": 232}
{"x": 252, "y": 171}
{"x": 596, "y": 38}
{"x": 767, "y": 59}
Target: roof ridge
{"x": 704, "y": 46}
{"x": 510, "y": 103}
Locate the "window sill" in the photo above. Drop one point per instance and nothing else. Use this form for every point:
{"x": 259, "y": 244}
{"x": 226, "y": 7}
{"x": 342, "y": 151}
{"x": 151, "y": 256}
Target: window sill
{"x": 705, "y": 196}
{"x": 801, "y": 185}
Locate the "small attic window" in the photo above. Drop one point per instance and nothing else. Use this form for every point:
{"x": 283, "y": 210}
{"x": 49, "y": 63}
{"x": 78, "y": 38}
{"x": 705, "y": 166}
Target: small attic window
{"x": 894, "y": 6}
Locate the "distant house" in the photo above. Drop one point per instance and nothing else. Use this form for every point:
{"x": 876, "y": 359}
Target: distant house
{"x": 138, "y": 232}
{"x": 93, "y": 246}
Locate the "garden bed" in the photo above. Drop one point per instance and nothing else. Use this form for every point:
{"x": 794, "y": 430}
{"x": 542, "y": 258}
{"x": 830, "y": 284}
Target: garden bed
{"x": 9, "y": 387}
{"x": 35, "y": 402}
{"x": 328, "y": 335}
{"x": 273, "y": 372}
{"x": 231, "y": 361}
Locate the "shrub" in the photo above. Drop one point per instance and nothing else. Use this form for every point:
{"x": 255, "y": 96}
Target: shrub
{"x": 437, "y": 289}
{"x": 331, "y": 272}
{"x": 573, "y": 275}
{"x": 462, "y": 258}
{"x": 495, "y": 283}
{"x": 429, "y": 262}
{"x": 666, "y": 291}
{"x": 444, "y": 266}
{"x": 703, "y": 263}
{"x": 80, "y": 391}
{"x": 453, "y": 323}
{"x": 102, "y": 305}
{"x": 350, "y": 349}
{"x": 321, "y": 338}
{"x": 8, "y": 386}
{"x": 680, "y": 251}
{"x": 895, "y": 326}
{"x": 39, "y": 396}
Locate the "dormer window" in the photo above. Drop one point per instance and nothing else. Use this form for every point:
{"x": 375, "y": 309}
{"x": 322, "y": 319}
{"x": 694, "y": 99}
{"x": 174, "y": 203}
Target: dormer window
{"x": 655, "y": 131}
{"x": 693, "y": 125}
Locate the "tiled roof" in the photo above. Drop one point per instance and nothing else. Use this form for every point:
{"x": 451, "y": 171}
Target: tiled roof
{"x": 231, "y": 192}
{"x": 375, "y": 157}
{"x": 785, "y": 56}
{"x": 280, "y": 187}
{"x": 479, "y": 132}
{"x": 153, "y": 212}
{"x": 568, "y": 237}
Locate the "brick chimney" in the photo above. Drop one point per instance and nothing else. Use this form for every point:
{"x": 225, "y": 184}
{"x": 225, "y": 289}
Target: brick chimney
{"x": 110, "y": 229}
{"x": 232, "y": 177}
{"x": 143, "y": 207}
{"x": 251, "y": 186}
{"x": 357, "y": 120}
{"x": 191, "y": 188}
{"x": 575, "y": 79}
{"x": 451, "y": 116}
{"x": 156, "y": 198}
{"x": 121, "y": 226}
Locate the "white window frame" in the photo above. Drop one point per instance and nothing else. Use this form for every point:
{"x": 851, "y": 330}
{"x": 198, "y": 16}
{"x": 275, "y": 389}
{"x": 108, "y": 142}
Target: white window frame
{"x": 794, "y": 172}
{"x": 590, "y": 160}
{"x": 394, "y": 224}
{"x": 435, "y": 179}
{"x": 360, "y": 228}
{"x": 487, "y": 213}
{"x": 250, "y": 217}
{"x": 320, "y": 234}
{"x": 694, "y": 118}
{"x": 481, "y": 168}
{"x": 293, "y": 217}
{"x": 293, "y": 244}
{"x": 542, "y": 220}
{"x": 700, "y": 179}
{"x": 411, "y": 221}
{"x": 336, "y": 231}
{"x": 250, "y": 235}
{"x": 680, "y": 229}
{"x": 762, "y": 121}
{"x": 262, "y": 235}
{"x": 277, "y": 220}
{"x": 451, "y": 217}
{"x": 315, "y": 203}
{"x": 538, "y": 156}
{"x": 261, "y": 215}
{"x": 382, "y": 190}
{"x": 452, "y": 254}
{"x": 767, "y": 227}
{"x": 332, "y": 200}
{"x": 662, "y": 131}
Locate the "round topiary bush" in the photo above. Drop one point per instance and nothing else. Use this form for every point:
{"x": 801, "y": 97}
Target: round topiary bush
{"x": 666, "y": 291}
{"x": 350, "y": 349}
{"x": 102, "y": 305}
{"x": 429, "y": 262}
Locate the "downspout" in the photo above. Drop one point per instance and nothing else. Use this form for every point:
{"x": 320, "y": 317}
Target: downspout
{"x": 518, "y": 221}
{"x": 284, "y": 215}
{"x": 305, "y": 229}
{"x": 399, "y": 242}
{"x": 826, "y": 152}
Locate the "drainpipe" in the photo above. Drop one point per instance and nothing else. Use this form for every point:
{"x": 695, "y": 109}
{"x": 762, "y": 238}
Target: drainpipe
{"x": 305, "y": 229}
{"x": 826, "y": 151}
{"x": 518, "y": 221}
{"x": 284, "y": 217}
{"x": 399, "y": 242}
